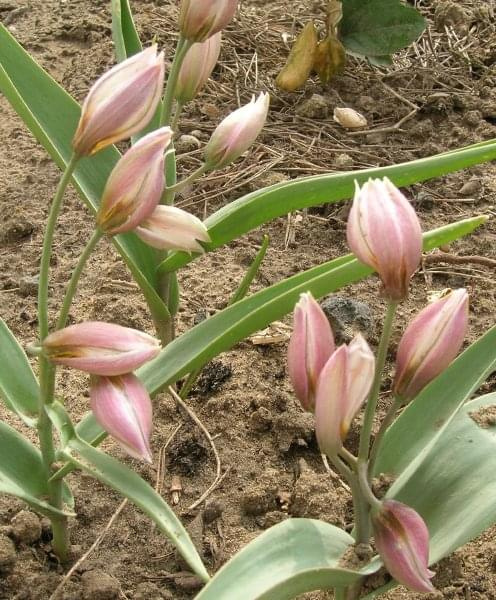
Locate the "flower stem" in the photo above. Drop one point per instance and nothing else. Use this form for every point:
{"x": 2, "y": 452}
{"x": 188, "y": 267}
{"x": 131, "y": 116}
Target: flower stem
{"x": 388, "y": 419}
{"x": 47, "y": 247}
{"x": 370, "y": 409}
{"x": 47, "y": 370}
{"x": 174, "y": 189}
{"x": 182, "y": 48}
{"x": 76, "y": 274}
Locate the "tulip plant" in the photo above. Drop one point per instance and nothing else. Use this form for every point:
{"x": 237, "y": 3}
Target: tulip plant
{"x": 423, "y": 515}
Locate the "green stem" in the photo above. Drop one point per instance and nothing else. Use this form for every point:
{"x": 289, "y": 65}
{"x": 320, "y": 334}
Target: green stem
{"x": 182, "y": 48}
{"x": 60, "y": 540}
{"x": 388, "y": 419}
{"x": 370, "y": 409}
{"x": 174, "y": 189}
{"x": 363, "y": 481}
{"x": 177, "y": 116}
{"x": 76, "y": 274}
{"x": 47, "y": 247}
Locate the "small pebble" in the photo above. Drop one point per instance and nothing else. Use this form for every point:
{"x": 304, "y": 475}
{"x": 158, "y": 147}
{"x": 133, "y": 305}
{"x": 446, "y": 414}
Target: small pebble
{"x": 315, "y": 107}
{"x": 28, "y": 286}
{"x": 187, "y": 143}
{"x": 26, "y": 527}
{"x": 343, "y": 160}
{"x": 98, "y": 585}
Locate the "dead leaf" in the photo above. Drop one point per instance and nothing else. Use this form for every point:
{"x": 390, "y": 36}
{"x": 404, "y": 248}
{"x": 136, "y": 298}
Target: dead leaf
{"x": 334, "y": 15}
{"x": 300, "y": 60}
{"x": 330, "y": 59}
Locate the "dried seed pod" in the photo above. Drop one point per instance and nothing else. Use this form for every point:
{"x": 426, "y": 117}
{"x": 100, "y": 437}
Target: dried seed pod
{"x": 349, "y": 118}
{"x": 300, "y": 60}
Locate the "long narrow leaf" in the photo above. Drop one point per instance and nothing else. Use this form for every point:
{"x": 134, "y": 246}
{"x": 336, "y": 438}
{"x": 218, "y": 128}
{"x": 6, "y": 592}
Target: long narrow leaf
{"x": 22, "y": 472}
{"x": 52, "y": 116}
{"x": 18, "y": 386}
{"x": 410, "y": 438}
{"x": 262, "y": 206}
{"x": 124, "y": 33}
{"x": 121, "y": 478}
{"x": 293, "y": 557}
{"x": 240, "y": 320}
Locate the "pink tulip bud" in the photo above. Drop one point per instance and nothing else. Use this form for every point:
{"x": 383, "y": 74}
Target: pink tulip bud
{"x": 342, "y": 387}
{"x": 123, "y": 408}
{"x": 100, "y": 348}
{"x": 201, "y": 19}
{"x": 310, "y": 346}
{"x": 121, "y": 102}
{"x": 402, "y": 540}
{"x": 197, "y": 67}
{"x": 237, "y": 132}
{"x": 430, "y": 342}
{"x": 135, "y": 185}
{"x": 170, "y": 228}
{"x": 384, "y": 233}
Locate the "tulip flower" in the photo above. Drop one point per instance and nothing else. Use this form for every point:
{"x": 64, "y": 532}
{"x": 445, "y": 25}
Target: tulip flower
{"x": 402, "y": 540}
{"x": 342, "y": 387}
{"x": 384, "y": 233}
{"x": 197, "y": 67}
{"x": 100, "y": 348}
{"x": 430, "y": 342}
{"x": 201, "y": 19}
{"x": 123, "y": 408}
{"x": 121, "y": 102}
{"x": 170, "y": 228}
{"x": 236, "y": 133}
{"x": 310, "y": 346}
{"x": 135, "y": 185}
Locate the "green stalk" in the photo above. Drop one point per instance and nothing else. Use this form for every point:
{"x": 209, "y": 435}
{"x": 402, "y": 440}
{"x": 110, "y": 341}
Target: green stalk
{"x": 370, "y": 409}
{"x": 182, "y": 48}
{"x": 60, "y": 540}
{"x": 174, "y": 189}
{"x": 388, "y": 419}
{"x": 76, "y": 274}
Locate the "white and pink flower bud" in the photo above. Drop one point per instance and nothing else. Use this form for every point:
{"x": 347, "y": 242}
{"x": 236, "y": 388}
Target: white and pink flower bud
{"x": 197, "y": 67}
{"x": 121, "y": 102}
{"x": 237, "y": 132}
{"x": 431, "y": 341}
{"x": 342, "y": 388}
{"x": 100, "y": 348}
{"x": 135, "y": 185}
{"x": 123, "y": 408}
{"x": 201, "y": 19}
{"x": 402, "y": 540}
{"x": 170, "y": 228}
{"x": 384, "y": 233}
{"x": 310, "y": 346}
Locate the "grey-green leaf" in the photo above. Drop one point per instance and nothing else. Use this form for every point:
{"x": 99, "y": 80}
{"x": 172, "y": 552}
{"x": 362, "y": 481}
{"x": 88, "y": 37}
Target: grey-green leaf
{"x": 379, "y": 27}
{"x": 18, "y": 385}
{"x": 22, "y": 473}
{"x": 124, "y": 33}
{"x": 293, "y": 557}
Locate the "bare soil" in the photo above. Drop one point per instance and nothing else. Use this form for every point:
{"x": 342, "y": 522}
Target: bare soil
{"x": 266, "y": 442}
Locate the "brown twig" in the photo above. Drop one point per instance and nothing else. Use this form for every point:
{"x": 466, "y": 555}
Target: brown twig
{"x": 91, "y": 549}
{"x": 460, "y": 260}
{"x": 218, "y": 475}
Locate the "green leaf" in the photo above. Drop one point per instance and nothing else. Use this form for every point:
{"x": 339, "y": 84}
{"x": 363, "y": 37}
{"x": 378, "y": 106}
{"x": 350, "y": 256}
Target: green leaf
{"x": 293, "y": 557}
{"x": 52, "y": 116}
{"x": 22, "y": 472}
{"x": 124, "y": 33}
{"x": 250, "y": 275}
{"x": 379, "y": 27}
{"x": 235, "y": 323}
{"x": 412, "y": 435}
{"x": 262, "y": 206}
{"x": 380, "y": 61}
{"x": 454, "y": 487}
{"x": 121, "y": 478}
{"x": 18, "y": 386}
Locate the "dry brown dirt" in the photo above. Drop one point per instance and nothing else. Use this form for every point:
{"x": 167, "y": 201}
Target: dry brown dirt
{"x": 264, "y": 439}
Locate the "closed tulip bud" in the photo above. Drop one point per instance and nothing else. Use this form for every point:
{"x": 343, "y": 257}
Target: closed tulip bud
{"x": 402, "y": 540}
{"x": 342, "y": 387}
{"x": 123, "y": 408}
{"x": 197, "y": 67}
{"x": 310, "y": 346}
{"x": 135, "y": 185}
{"x": 121, "y": 102}
{"x": 100, "y": 348}
{"x": 170, "y": 228}
{"x": 384, "y": 233}
{"x": 236, "y": 133}
{"x": 431, "y": 341}
{"x": 201, "y": 19}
